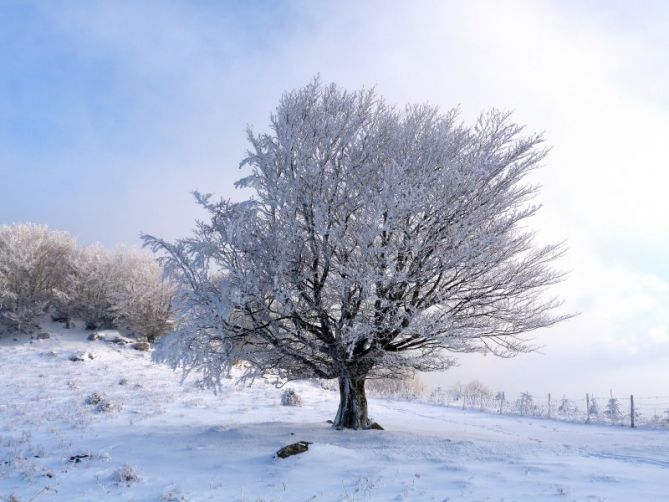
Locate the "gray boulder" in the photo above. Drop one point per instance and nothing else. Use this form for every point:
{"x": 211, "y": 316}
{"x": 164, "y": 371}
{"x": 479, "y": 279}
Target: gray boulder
{"x": 143, "y": 346}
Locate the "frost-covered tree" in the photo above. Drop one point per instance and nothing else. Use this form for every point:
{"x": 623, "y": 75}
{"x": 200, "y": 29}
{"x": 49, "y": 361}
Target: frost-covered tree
{"x": 35, "y": 268}
{"x": 143, "y": 300}
{"x": 98, "y": 284}
{"x": 593, "y": 410}
{"x": 456, "y": 391}
{"x": 567, "y": 408}
{"x": 377, "y": 242}
{"x": 477, "y": 393}
{"x": 612, "y": 410}
{"x": 121, "y": 289}
{"x": 525, "y": 404}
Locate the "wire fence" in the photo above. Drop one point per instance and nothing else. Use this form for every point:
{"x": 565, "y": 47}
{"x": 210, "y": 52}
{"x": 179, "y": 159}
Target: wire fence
{"x": 631, "y": 411}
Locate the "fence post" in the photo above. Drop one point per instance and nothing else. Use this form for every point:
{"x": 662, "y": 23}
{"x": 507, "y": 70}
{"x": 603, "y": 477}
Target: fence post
{"x": 632, "y": 410}
{"x": 463, "y": 401}
{"x": 587, "y": 408}
{"x": 501, "y": 403}
{"x": 549, "y": 405}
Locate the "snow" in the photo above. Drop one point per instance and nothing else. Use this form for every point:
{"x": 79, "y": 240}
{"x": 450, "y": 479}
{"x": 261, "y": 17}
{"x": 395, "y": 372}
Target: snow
{"x": 185, "y": 443}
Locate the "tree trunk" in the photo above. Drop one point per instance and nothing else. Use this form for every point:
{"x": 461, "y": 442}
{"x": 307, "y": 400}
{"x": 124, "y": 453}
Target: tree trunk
{"x": 352, "y": 413}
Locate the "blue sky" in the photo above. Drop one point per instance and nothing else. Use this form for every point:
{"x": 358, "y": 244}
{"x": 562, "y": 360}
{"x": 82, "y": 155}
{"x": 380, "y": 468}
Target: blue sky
{"x": 112, "y": 112}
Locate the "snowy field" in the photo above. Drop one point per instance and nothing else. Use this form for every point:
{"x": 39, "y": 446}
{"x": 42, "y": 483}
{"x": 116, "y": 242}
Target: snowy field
{"x": 184, "y": 443}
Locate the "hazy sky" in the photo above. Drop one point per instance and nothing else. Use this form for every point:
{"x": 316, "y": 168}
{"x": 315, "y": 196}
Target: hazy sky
{"x": 112, "y": 112}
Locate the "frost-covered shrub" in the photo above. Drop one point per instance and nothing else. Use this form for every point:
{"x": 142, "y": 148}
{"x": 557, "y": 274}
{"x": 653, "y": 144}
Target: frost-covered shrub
{"x": 456, "y": 391}
{"x": 291, "y": 398}
{"x": 143, "y": 303}
{"x": 41, "y": 270}
{"x": 439, "y": 396}
{"x": 525, "y": 405}
{"x": 593, "y": 410}
{"x": 101, "y": 403}
{"x": 478, "y": 394}
{"x": 612, "y": 410}
{"x": 94, "y": 399}
{"x": 172, "y": 495}
{"x": 106, "y": 406}
{"x": 98, "y": 282}
{"x": 127, "y": 475}
{"x": 35, "y": 271}
{"x": 396, "y": 388}
{"x": 567, "y": 408}
{"x": 121, "y": 289}
{"x": 473, "y": 393}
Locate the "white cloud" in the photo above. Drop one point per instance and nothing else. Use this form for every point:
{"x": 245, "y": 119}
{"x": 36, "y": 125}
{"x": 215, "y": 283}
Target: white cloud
{"x": 659, "y": 334}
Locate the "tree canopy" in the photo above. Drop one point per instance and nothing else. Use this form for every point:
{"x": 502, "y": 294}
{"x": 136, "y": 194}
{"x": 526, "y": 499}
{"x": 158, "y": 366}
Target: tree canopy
{"x": 377, "y": 242}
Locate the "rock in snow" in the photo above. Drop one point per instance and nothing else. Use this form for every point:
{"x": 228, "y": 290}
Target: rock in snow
{"x": 293, "y": 449}
{"x": 143, "y": 346}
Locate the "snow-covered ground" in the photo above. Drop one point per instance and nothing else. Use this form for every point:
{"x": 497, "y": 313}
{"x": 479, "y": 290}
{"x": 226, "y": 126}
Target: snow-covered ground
{"x": 184, "y": 443}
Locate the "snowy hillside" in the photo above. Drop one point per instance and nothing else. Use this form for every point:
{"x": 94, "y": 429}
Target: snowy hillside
{"x": 184, "y": 443}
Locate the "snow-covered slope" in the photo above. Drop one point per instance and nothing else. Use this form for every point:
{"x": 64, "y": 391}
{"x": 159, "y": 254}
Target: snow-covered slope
{"x": 186, "y": 444}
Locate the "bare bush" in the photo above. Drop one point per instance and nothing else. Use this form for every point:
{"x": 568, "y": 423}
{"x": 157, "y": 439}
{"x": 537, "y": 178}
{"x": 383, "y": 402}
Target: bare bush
{"x": 35, "y": 268}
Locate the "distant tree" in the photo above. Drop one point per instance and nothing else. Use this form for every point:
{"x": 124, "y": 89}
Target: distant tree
{"x": 35, "y": 267}
{"x": 439, "y": 396}
{"x": 593, "y": 411}
{"x": 377, "y": 242}
{"x": 567, "y": 408}
{"x": 456, "y": 391}
{"x": 476, "y": 393}
{"x": 525, "y": 404}
{"x": 612, "y": 410}
{"x": 396, "y": 388}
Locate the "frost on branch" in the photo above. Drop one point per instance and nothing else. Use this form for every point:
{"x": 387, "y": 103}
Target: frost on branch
{"x": 378, "y": 242}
